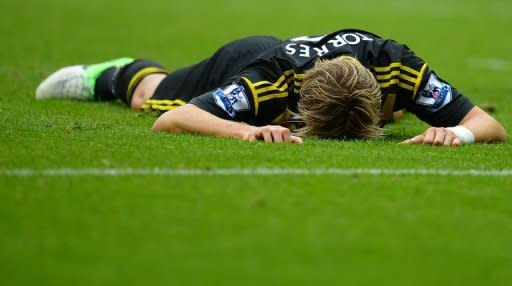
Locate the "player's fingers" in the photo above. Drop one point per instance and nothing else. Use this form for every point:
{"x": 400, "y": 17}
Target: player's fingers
{"x": 277, "y": 136}
{"x": 267, "y": 135}
{"x": 429, "y": 136}
{"x": 296, "y": 139}
{"x": 287, "y": 135}
{"x": 449, "y": 139}
{"x": 251, "y": 136}
{"x": 414, "y": 140}
{"x": 255, "y": 135}
{"x": 439, "y": 137}
{"x": 456, "y": 142}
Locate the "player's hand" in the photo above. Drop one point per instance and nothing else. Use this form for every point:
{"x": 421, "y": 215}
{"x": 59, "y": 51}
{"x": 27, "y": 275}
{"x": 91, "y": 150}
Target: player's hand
{"x": 435, "y": 136}
{"x": 272, "y": 134}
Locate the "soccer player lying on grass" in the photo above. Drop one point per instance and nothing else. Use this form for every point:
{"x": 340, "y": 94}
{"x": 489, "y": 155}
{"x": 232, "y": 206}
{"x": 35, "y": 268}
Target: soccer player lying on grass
{"x": 341, "y": 85}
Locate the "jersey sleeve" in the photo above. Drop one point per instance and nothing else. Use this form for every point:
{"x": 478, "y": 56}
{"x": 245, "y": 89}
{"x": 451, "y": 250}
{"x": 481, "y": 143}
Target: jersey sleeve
{"x": 418, "y": 89}
{"x": 438, "y": 103}
{"x": 254, "y": 97}
{"x": 230, "y": 101}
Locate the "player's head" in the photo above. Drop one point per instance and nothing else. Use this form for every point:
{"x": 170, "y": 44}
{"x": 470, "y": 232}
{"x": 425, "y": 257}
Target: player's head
{"x": 340, "y": 98}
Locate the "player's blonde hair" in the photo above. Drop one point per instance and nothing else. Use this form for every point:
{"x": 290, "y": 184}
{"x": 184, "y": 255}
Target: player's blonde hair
{"x": 340, "y": 98}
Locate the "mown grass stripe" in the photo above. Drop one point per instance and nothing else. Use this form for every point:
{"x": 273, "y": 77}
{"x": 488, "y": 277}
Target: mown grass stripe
{"x": 114, "y": 172}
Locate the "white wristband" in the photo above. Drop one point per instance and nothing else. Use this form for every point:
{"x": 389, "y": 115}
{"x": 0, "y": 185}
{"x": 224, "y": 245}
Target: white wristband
{"x": 465, "y": 135}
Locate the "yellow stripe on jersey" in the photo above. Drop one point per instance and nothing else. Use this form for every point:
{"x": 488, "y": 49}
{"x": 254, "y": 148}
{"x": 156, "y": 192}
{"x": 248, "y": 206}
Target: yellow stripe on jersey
{"x": 387, "y": 76}
{"x": 392, "y": 76}
{"x": 409, "y": 70}
{"x": 162, "y": 104}
{"x": 167, "y": 101}
{"x": 398, "y": 82}
{"x": 408, "y": 78}
{"x": 406, "y": 86}
{"x": 272, "y": 96}
{"x": 265, "y": 90}
{"x": 396, "y": 65}
{"x": 411, "y": 84}
{"x": 420, "y": 77}
{"x": 297, "y": 84}
{"x": 138, "y": 77}
{"x": 254, "y": 95}
{"x": 273, "y": 87}
{"x": 277, "y": 83}
{"x": 279, "y": 80}
{"x": 387, "y": 68}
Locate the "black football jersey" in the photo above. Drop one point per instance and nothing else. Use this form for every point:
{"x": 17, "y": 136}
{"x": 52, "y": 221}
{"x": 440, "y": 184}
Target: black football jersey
{"x": 265, "y": 88}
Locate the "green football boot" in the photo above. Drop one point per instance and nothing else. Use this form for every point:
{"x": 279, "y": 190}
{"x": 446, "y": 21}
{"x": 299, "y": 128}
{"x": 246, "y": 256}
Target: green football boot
{"x": 76, "y": 82}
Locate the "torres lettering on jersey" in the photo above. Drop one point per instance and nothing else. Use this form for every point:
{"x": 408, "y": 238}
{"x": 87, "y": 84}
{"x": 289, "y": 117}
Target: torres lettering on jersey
{"x": 231, "y": 99}
{"x": 306, "y": 51}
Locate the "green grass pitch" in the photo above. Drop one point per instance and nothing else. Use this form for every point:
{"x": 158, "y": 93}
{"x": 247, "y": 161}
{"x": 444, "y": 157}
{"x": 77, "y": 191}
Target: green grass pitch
{"x": 245, "y": 229}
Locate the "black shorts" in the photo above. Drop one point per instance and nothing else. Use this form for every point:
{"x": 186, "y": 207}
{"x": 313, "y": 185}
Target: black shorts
{"x": 180, "y": 86}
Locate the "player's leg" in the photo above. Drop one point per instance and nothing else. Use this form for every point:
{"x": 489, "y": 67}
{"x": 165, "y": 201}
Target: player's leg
{"x": 181, "y": 86}
{"x": 145, "y": 90}
{"x": 115, "y": 79}
{"x": 137, "y": 81}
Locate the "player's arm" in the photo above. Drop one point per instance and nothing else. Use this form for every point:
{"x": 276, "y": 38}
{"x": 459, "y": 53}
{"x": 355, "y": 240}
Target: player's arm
{"x": 455, "y": 119}
{"x": 192, "y": 119}
{"x": 481, "y": 126}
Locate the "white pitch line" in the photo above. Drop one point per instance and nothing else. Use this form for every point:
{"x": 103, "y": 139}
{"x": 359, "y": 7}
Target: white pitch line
{"x": 115, "y": 172}
{"x": 494, "y": 64}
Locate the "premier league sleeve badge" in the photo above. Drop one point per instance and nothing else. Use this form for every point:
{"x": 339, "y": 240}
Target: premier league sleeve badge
{"x": 231, "y": 99}
{"x": 435, "y": 95}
